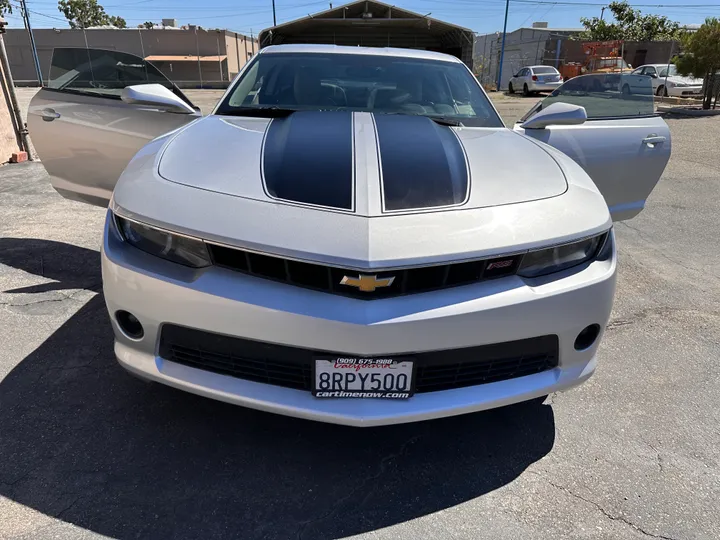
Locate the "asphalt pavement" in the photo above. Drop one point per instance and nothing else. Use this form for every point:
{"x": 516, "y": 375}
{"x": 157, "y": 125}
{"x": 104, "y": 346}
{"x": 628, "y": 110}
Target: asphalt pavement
{"x": 86, "y": 451}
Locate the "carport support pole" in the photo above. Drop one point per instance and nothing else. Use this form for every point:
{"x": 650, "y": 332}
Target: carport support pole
{"x": 502, "y": 47}
{"x": 36, "y": 60}
{"x": 10, "y": 84}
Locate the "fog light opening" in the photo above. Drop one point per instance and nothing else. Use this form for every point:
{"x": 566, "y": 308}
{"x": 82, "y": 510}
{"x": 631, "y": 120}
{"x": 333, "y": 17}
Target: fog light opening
{"x": 587, "y": 337}
{"x": 129, "y": 325}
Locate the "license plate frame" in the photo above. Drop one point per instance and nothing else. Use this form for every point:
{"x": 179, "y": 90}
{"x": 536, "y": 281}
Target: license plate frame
{"x": 336, "y": 393}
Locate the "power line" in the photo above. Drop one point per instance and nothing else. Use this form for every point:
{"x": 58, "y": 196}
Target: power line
{"x": 529, "y": 16}
{"x": 196, "y": 8}
{"x": 568, "y": 3}
{"x": 143, "y": 18}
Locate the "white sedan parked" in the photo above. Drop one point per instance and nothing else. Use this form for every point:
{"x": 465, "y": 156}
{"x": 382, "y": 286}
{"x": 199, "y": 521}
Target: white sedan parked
{"x": 535, "y": 79}
{"x": 667, "y": 82}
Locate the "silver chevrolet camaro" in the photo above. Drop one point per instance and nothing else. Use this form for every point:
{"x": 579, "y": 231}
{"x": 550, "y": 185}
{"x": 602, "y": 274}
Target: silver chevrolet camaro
{"x": 352, "y": 235}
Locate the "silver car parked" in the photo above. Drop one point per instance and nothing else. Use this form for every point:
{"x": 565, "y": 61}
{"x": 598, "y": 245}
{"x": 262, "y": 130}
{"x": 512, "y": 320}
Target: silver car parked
{"x": 352, "y": 235}
{"x": 533, "y": 79}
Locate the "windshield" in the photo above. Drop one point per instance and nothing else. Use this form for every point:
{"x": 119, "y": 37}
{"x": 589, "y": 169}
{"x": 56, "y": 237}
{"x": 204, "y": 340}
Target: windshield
{"x": 360, "y": 82}
{"x": 665, "y": 72}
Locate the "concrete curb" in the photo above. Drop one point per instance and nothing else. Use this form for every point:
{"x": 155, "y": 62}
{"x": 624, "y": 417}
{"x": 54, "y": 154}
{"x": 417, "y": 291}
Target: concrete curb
{"x": 685, "y": 111}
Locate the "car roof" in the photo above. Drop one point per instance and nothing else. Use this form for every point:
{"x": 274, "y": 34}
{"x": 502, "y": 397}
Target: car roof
{"x": 368, "y": 51}
{"x": 533, "y": 67}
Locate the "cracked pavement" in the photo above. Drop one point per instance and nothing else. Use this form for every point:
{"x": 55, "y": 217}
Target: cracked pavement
{"x": 86, "y": 451}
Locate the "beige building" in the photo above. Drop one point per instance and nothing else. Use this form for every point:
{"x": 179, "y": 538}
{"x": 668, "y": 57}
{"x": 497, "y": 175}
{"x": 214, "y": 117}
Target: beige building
{"x": 190, "y": 57}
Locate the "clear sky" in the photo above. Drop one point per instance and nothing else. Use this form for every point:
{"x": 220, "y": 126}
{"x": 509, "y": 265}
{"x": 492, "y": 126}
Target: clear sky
{"x": 482, "y": 16}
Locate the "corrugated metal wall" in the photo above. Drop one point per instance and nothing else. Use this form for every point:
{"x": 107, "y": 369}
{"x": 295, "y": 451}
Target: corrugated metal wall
{"x": 406, "y": 38}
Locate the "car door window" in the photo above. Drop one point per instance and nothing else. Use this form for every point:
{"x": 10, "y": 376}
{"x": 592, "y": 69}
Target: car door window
{"x": 603, "y": 97}
{"x": 103, "y": 73}
{"x": 650, "y": 71}
{"x": 623, "y": 146}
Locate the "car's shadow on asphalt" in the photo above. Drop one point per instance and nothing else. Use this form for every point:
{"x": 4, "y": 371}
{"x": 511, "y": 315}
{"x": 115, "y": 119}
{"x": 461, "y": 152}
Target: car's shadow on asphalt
{"x": 82, "y": 440}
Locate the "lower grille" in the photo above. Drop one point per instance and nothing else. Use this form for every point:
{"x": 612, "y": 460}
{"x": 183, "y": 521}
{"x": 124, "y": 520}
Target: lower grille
{"x": 291, "y": 367}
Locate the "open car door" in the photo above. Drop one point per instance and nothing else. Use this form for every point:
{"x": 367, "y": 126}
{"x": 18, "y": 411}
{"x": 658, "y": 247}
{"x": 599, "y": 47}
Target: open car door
{"x": 623, "y": 145}
{"x": 86, "y": 130}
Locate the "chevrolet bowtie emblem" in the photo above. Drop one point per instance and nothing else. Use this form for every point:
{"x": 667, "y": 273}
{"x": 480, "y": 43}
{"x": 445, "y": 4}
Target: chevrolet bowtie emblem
{"x": 367, "y": 283}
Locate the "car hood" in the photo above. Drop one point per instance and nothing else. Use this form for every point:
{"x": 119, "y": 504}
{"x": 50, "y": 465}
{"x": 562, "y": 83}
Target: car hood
{"x": 361, "y": 163}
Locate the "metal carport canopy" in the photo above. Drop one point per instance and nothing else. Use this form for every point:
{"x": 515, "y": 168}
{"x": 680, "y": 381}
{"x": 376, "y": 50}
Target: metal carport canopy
{"x": 374, "y": 24}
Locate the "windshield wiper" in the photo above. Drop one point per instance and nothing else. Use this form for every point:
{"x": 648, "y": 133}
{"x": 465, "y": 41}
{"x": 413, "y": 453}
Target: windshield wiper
{"x": 272, "y": 111}
{"x": 444, "y": 120}
{"x": 260, "y": 112}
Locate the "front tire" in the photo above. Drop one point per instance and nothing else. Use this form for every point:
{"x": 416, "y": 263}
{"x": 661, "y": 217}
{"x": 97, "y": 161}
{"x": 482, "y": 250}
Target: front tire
{"x": 526, "y": 90}
{"x": 662, "y": 91}
{"x": 626, "y": 90}
{"x": 511, "y": 90}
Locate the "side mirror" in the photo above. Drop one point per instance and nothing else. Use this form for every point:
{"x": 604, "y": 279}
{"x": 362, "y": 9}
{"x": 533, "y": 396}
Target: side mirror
{"x": 654, "y": 75}
{"x": 155, "y": 95}
{"x": 556, "y": 114}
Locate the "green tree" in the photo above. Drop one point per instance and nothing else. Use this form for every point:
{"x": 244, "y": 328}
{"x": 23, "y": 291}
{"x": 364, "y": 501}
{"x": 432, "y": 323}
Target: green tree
{"x": 630, "y": 25}
{"x": 117, "y": 22}
{"x": 148, "y": 24}
{"x": 701, "y": 59}
{"x": 87, "y": 13}
{"x": 82, "y": 13}
{"x": 5, "y": 7}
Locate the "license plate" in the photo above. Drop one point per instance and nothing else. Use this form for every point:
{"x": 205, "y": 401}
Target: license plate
{"x": 351, "y": 377}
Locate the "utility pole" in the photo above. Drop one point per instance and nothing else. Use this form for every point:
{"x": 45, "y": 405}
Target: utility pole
{"x": 274, "y": 19}
{"x": 33, "y": 47}
{"x": 602, "y": 13}
{"x": 502, "y": 47}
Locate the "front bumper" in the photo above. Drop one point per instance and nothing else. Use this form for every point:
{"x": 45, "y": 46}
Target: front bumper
{"x": 225, "y": 302}
{"x": 684, "y": 91}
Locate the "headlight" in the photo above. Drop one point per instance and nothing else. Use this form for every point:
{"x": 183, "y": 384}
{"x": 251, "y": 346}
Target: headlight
{"x": 173, "y": 247}
{"x": 555, "y": 259}
{"x": 679, "y": 84}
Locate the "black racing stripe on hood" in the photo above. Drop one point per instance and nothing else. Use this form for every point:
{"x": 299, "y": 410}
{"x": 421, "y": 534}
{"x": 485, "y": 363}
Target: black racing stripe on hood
{"x": 308, "y": 158}
{"x": 423, "y": 163}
